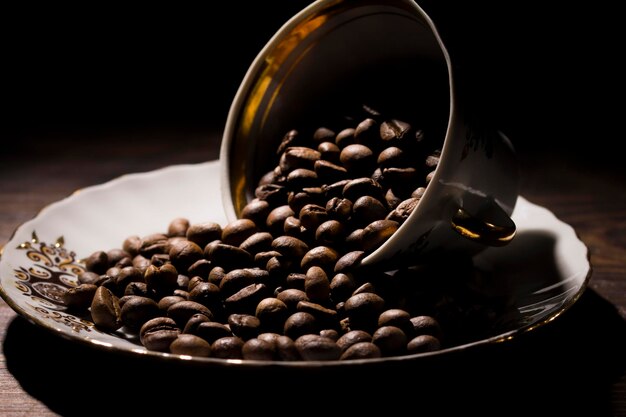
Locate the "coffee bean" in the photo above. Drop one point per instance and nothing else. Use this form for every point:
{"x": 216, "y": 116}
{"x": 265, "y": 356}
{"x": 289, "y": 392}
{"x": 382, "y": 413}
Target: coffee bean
{"x": 191, "y": 345}
{"x": 131, "y": 244}
{"x": 183, "y": 310}
{"x": 377, "y": 233}
{"x": 329, "y": 151}
{"x": 259, "y": 350}
{"x": 367, "y": 209}
{"x": 390, "y": 340}
{"x": 353, "y": 337}
{"x": 317, "y": 285}
{"x": 345, "y": 138}
{"x": 137, "y": 310}
{"x": 423, "y": 343}
{"x": 276, "y": 219}
{"x": 323, "y": 134}
{"x": 79, "y": 298}
{"x": 300, "y": 323}
{"x": 312, "y": 215}
{"x": 272, "y": 312}
{"x": 158, "y": 333}
{"x": 236, "y": 232}
{"x": 321, "y": 256}
{"x": 291, "y": 297}
{"x": 361, "y": 350}
{"x": 313, "y": 347}
{"x": 227, "y": 348}
{"x": 203, "y": 233}
{"x": 211, "y": 331}
{"x": 363, "y": 310}
{"x": 357, "y": 159}
{"x": 244, "y": 326}
{"x": 97, "y": 262}
{"x": 258, "y": 242}
{"x": 178, "y": 227}
{"x": 393, "y": 130}
{"x": 426, "y": 325}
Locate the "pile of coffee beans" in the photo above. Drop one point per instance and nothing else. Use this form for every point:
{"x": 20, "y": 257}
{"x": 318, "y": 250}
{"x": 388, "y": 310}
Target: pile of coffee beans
{"x": 283, "y": 282}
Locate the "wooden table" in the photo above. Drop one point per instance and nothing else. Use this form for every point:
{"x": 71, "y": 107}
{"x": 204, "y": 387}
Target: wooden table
{"x": 575, "y": 363}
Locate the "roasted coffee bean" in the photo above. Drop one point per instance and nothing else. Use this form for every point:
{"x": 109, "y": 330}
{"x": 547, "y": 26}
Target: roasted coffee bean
{"x": 227, "y": 348}
{"x": 244, "y": 326}
{"x": 276, "y": 219}
{"x": 402, "y": 176}
{"x": 363, "y": 186}
{"x": 182, "y": 281}
{"x": 178, "y": 227}
{"x": 317, "y": 285}
{"x": 137, "y": 310}
{"x": 158, "y": 333}
{"x": 295, "y": 280}
{"x": 274, "y": 194}
{"x": 181, "y": 312}
{"x": 236, "y": 232}
{"x": 154, "y": 243}
{"x": 138, "y": 288}
{"x": 432, "y": 161}
{"x": 367, "y": 132}
{"x": 183, "y": 253}
{"x": 291, "y": 297}
{"x": 423, "y": 343}
{"x": 392, "y": 157}
{"x": 165, "y": 302}
{"x": 216, "y": 275}
{"x": 97, "y": 262}
{"x": 312, "y": 215}
{"x": 328, "y": 171}
{"x": 330, "y": 233}
{"x": 89, "y": 277}
{"x": 203, "y": 233}
{"x": 339, "y": 209}
{"x": 159, "y": 259}
{"x": 258, "y": 242}
{"x": 300, "y": 323}
{"x": 298, "y": 199}
{"x": 353, "y": 337}
{"x": 194, "y": 321}
{"x": 286, "y": 349}
{"x": 345, "y": 137}
{"x": 377, "y": 233}
{"x": 272, "y": 312}
{"x": 321, "y": 256}
{"x": 256, "y": 210}
{"x": 211, "y": 331}
{"x": 115, "y": 256}
{"x": 290, "y": 139}
{"x": 392, "y": 200}
{"x": 313, "y": 347}
{"x": 200, "y": 268}
{"x": 426, "y": 325}
{"x": 194, "y": 281}
{"x": 357, "y": 159}
{"x": 398, "y": 318}
{"x": 329, "y": 152}
{"x": 227, "y": 256}
{"x": 191, "y": 345}
{"x": 246, "y": 299}
{"x": 390, "y": 340}
{"x": 79, "y": 298}
{"x": 393, "y": 130}
{"x": 324, "y": 316}
{"x": 366, "y": 210}
{"x": 301, "y": 178}
{"x": 259, "y": 350}
{"x": 361, "y": 350}
{"x": 207, "y": 294}
{"x": 141, "y": 263}
{"x": 331, "y": 334}
{"x": 132, "y": 245}
{"x": 323, "y": 134}
{"x": 161, "y": 279}
{"x": 335, "y": 189}
{"x": 290, "y": 247}
{"x": 342, "y": 286}
{"x": 349, "y": 262}
{"x": 293, "y": 227}
{"x": 235, "y": 280}
{"x": 363, "y": 310}
{"x": 296, "y": 157}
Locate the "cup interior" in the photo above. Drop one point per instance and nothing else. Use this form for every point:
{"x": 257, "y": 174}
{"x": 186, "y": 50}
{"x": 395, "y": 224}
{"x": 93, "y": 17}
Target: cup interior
{"x": 320, "y": 69}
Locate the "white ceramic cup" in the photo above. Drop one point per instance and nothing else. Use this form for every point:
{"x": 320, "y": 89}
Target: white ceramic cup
{"x": 386, "y": 53}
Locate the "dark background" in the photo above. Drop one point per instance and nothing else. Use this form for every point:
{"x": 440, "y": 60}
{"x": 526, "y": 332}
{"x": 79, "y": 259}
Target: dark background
{"x": 546, "y": 74}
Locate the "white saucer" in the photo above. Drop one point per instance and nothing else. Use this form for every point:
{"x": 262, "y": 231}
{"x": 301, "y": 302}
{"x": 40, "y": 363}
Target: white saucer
{"x": 541, "y": 273}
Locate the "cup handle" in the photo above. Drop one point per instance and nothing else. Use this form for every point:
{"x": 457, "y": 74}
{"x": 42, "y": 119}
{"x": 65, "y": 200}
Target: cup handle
{"x": 489, "y": 225}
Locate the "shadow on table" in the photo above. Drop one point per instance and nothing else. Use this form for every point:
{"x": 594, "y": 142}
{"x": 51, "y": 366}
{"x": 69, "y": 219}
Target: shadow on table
{"x": 569, "y": 365}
